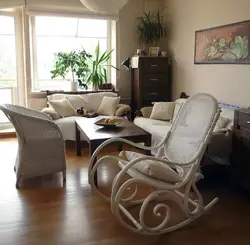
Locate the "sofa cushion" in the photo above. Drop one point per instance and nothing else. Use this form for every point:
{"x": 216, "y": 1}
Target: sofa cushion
{"x": 67, "y": 126}
{"x": 108, "y": 105}
{"x": 94, "y": 99}
{"x": 77, "y": 101}
{"x": 178, "y": 105}
{"x": 153, "y": 168}
{"x": 63, "y": 107}
{"x": 162, "y": 110}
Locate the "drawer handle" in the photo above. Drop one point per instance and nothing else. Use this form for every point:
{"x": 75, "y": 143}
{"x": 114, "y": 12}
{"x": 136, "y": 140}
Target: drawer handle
{"x": 154, "y": 93}
{"x": 248, "y": 122}
{"x": 154, "y": 79}
{"x": 154, "y": 65}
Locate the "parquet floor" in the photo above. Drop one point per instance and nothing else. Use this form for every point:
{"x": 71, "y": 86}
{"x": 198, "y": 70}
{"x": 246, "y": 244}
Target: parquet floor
{"x": 44, "y": 212}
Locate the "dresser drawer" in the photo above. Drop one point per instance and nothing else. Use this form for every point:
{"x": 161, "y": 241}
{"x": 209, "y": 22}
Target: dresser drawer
{"x": 156, "y": 79}
{"x": 154, "y": 65}
{"x": 244, "y": 120}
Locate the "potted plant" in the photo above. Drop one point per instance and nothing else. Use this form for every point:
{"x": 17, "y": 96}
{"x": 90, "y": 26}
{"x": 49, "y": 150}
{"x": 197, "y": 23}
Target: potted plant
{"x": 72, "y": 64}
{"x": 98, "y": 63}
{"x": 151, "y": 27}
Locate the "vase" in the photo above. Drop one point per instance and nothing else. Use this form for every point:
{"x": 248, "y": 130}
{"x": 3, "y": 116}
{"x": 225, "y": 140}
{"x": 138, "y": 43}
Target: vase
{"x": 74, "y": 86}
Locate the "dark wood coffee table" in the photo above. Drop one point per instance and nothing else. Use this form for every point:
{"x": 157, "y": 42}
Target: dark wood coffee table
{"x": 96, "y": 135}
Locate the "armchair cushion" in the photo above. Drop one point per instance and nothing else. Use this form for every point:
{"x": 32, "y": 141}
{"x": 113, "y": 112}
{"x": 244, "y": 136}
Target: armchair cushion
{"x": 63, "y": 107}
{"x": 108, "y": 106}
{"x": 163, "y": 110}
{"x": 153, "y": 168}
{"x": 51, "y": 113}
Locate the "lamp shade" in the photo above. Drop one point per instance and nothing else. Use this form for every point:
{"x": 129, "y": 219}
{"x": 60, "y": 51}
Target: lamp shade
{"x": 126, "y": 64}
{"x": 105, "y": 6}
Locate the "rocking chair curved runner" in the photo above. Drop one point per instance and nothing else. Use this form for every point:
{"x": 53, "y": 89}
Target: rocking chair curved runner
{"x": 172, "y": 173}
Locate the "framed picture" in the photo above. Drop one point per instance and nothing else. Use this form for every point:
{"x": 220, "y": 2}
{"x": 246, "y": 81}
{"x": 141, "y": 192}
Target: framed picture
{"x": 154, "y": 51}
{"x": 228, "y": 44}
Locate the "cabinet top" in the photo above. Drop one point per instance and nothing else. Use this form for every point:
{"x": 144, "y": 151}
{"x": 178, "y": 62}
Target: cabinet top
{"x": 245, "y": 111}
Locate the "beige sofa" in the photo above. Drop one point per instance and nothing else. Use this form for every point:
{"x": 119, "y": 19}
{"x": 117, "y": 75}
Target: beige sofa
{"x": 219, "y": 149}
{"x": 92, "y": 102}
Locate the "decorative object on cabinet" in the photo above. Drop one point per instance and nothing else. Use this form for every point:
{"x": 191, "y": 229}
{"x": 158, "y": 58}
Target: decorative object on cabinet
{"x": 151, "y": 81}
{"x": 241, "y": 150}
{"x": 153, "y": 51}
{"x": 228, "y": 44}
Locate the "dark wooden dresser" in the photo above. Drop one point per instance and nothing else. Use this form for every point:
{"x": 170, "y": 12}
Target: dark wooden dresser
{"x": 151, "y": 81}
{"x": 241, "y": 150}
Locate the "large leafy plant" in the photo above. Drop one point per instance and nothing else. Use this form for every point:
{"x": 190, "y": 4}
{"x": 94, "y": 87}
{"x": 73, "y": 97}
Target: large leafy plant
{"x": 151, "y": 27}
{"x": 98, "y": 65}
{"x": 72, "y": 64}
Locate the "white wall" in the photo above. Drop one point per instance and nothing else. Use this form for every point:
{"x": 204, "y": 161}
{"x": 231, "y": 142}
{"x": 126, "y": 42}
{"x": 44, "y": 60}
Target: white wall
{"x": 228, "y": 83}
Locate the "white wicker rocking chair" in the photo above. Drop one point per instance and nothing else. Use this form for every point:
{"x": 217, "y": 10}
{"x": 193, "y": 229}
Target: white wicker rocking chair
{"x": 178, "y": 160}
{"x": 41, "y": 147}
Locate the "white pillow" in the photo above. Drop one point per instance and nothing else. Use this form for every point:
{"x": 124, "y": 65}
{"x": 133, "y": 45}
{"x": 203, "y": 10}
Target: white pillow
{"x": 63, "y": 107}
{"x": 153, "y": 168}
{"x": 109, "y": 105}
{"x": 94, "y": 99}
{"x": 51, "y": 112}
{"x": 178, "y": 105}
{"x": 77, "y": 101}
{"x": 221, "y": 123}
{"x": 162, "y": 111}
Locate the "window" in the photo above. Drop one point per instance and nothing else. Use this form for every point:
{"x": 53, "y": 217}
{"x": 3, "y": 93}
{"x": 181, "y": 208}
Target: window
{"x": 62, "y": 34}
{"x": 8, "y": 73}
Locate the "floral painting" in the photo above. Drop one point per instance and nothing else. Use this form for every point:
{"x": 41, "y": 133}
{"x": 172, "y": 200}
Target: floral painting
{"x": 225, "y": 44}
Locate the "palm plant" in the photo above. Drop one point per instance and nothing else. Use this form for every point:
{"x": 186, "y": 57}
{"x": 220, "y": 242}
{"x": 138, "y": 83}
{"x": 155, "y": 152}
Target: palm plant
{"x": 151, "y": 27}
{"x": 98, "y": 67}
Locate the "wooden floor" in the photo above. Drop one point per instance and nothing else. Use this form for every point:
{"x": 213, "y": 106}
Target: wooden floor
{"x": 44, "y": 212}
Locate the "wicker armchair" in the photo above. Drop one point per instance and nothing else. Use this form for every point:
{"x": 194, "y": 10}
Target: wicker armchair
{"x": 172, "y": 174}
{"x": 40, "y": 143}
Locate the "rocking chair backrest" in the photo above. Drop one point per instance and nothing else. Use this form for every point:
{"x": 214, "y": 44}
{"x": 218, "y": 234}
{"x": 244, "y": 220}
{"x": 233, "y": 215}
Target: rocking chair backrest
{"x": 191, "y": 128}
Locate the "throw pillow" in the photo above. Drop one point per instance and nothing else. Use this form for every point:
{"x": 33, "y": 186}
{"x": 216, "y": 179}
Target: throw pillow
{"x": 221, "y": 123}
{"x": 51, "y": 112}
{"x": 108, "y": 106}
{"x": 63, "y": 107}
{"x": 94, "y": 99}
{"x": 77, "y": 101}
{"x": 162, "y": 111}
{"x": 153, "y": 168}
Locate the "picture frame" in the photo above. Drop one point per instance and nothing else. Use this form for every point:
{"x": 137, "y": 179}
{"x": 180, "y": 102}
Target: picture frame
{"x": 227, "y": 44}
{"x": 154, "y": 51}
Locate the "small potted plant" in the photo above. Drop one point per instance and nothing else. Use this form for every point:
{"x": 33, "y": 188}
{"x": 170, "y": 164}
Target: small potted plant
{"x": 150, "y": 28}
{"x": 97, "y": 74}
{"x": 72, "y": 64}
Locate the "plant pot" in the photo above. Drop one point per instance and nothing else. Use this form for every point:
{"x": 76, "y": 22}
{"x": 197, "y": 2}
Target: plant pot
{"x": 106, "y": 86}
{"x": 74, "y": 86}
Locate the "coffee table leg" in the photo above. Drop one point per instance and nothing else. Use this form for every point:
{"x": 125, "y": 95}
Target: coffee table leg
{"x": 148, "y": 143}
{"x": 78, "y": 141}
{"x": 92, "y": 148}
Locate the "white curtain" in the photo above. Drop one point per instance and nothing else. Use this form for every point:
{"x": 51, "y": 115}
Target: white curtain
{"x": 4, "y": 4}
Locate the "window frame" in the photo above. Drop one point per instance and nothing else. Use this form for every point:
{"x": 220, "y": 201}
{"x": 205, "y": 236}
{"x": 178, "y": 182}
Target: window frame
{"x": 33, "y": 49}
{"x": 14, "y": 89}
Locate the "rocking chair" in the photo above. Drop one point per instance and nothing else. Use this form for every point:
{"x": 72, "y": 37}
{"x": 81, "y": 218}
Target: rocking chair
{"x": 172, "y": 174}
